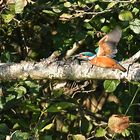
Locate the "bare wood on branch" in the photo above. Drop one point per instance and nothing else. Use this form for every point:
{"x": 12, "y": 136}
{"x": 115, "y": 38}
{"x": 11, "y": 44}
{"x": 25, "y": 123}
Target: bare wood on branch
{"x": 66, "y": 70}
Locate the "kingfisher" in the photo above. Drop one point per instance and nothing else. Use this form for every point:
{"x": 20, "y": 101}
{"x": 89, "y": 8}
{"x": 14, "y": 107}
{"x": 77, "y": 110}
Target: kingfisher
{"x": 106, "y": 51}
{"x": 85, "y": 55}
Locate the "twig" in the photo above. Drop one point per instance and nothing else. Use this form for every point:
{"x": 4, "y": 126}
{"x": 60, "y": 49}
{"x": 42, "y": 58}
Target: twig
{"x": 80, "y": 13}
{"x": 75, "y": 47}
{"x": 135, "y": 124}
{"x": 132, "y": 100}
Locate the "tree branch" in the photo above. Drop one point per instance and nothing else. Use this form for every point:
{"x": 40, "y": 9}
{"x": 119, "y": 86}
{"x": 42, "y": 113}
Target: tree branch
{"x": 66, "y": 70}
{"x": 75, "y": 47}
{"x": 134, "y": 58}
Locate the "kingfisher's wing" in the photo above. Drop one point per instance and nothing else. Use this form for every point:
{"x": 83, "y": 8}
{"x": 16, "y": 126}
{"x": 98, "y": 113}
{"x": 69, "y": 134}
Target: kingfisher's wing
{"x": 107, "y": 45}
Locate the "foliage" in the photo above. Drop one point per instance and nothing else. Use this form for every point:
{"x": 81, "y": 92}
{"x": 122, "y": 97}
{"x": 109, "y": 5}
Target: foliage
{"x": 32, "y": 30}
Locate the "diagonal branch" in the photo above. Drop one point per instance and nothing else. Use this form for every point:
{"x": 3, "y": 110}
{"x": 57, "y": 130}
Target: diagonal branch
{"x": 134, "y": 58}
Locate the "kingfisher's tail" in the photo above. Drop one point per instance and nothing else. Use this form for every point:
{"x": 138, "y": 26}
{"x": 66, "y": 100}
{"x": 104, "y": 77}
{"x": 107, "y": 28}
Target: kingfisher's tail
{"x": 120, "y": 67}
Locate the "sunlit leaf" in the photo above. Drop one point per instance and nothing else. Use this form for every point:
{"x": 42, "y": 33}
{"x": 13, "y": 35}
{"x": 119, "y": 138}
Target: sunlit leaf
{"x": 105, "y": 29}
{"x": 57, "y": 107}
{"x": 78, "y": 137}
{"x": 87, "y": 20}
{"x": 19, "y": 6}
{"x": 47, "y": 127}
{"x": 111, "y": 4}
{"x": 98, "y": 7}
{"x": 10, "y": 1}
{"x": 30, "y": 84}
{"x": 92, "y": 33}
{"x": 135, "y": 10}
{"x": 111, "y": 85}
{"x": 126, "y": 133}
{"x": 7, "y": 17}
{"x": 136, "y": 83}
{"x": 135, "y": 26}
{"x": 88, "y": 26}
{"x": 67, "y": 4}
{"x": 56, "y": 9}
{"x": 21, "y": 90}
{"x": 90, "y": 1}
{"x": 10, "y": 97}
{"x": 65, "y": 16}
{"x": 125, "y": 16}
{"x": 102, "y": 20}
{"x": 18, "y": 135}
{"x": 100, "y": 132}
{"x": 48, "y": 12}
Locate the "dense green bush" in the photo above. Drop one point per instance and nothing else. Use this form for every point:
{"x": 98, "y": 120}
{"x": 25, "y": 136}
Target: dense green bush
{"x": 32, "y": 30}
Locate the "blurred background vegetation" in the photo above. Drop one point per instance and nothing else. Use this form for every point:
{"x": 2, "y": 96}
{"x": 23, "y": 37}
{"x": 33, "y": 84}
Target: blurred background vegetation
{"x": 59, "y": 110}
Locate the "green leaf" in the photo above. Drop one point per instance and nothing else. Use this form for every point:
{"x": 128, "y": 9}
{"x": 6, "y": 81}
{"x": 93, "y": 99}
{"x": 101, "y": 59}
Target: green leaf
{"x": 20, "y": 90}
{"x": 19, "y": 6}
{"x": 100, "y": 132}
{"x": 10, "y": 97}
{"x": 126, "y": 133}
{"x": 102, "y": 20}
{"x": 125, "y": 16}
{"x": 111, "y": 4}
{"x": 135, "y": 10}
{"x": 90, "y": 1}
{"x": 88, "y": 26}
{"x": 57, "y": 107}
{"x": 78, "y": 137}
{"x": 56, "y": 9}
{"x": 32, "y": 107}
{"x": 34, "y": 87}
{"x": 47, "y": 137}
{"x": 67, "y": 4}
{"x": 135, "y": 26}
{"x": 47, "y": 127}
{"x": 8, "y": 56}
{"x": 1, "y": 103}
{"x": 71, "y": 117}
{"x": 7, "y": 17}
{"x": 86, "y": 126}
{"x": 111, "y": 85}
{"x": 31, "y": 84}
{"x": 11, "y": 8}
{"x": 136, "y": 83}
{"x": 48, "y": 12}
{"x": 18, "y": 135}
{"x": 105, "y": 29}
{"x": 65, "y": 16}
{"x": 4, "y": 129}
